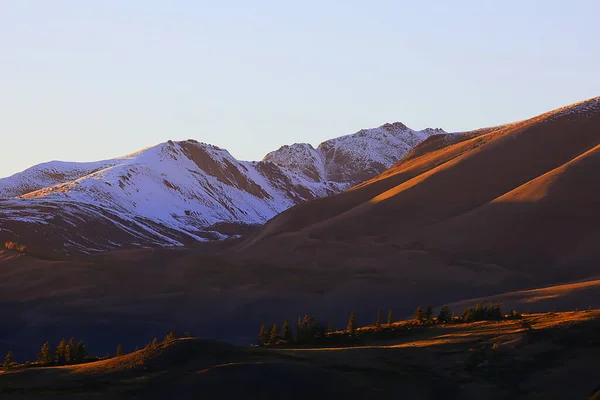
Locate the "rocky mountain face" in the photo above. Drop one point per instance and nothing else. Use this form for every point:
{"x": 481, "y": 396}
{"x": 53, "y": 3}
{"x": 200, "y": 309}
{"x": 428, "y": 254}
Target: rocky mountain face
{"x": 179, "y": 192}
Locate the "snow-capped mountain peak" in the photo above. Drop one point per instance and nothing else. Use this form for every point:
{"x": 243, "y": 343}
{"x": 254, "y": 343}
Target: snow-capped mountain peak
{"x": 179, "y": 191}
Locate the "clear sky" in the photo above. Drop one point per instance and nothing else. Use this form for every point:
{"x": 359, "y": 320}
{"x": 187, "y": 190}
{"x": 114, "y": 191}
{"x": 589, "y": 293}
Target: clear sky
{"x": 89, "y": 80}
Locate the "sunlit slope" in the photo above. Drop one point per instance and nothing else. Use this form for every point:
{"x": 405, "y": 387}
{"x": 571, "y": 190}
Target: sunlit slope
{"x": 421, "y": 201}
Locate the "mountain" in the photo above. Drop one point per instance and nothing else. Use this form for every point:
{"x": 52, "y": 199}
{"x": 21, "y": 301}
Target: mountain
{"x": 518, "y": 202}
{"x": 180, "y": 192}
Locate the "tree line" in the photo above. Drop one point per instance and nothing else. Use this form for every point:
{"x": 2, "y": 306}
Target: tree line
{"x": 309, "y": 330}
{"x": 75, "y": 352}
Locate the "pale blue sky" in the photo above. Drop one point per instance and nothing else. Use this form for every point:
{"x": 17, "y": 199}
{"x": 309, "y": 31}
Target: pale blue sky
{"x": 88, "y": 80}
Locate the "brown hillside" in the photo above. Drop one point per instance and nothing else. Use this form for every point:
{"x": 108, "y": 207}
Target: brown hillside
{"x": 508, "y": 196}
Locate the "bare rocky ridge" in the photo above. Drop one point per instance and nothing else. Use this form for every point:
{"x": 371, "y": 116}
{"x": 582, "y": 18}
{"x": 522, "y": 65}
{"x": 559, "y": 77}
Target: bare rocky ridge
{"x": 176, "y": 193}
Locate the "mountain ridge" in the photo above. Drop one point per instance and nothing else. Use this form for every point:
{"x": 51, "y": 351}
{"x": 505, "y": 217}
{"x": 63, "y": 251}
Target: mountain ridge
{"x": 190, "y": 188}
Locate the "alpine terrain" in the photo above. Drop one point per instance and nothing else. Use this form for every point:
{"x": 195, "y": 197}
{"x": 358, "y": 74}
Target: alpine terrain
{"x": 177, "y": 193}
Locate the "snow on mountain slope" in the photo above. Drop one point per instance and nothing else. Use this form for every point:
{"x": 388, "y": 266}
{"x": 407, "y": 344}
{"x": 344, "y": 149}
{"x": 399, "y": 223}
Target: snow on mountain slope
{"x": 353, "y": 158}
{"x": 47, "y": 174}
{"x": 177, "y": 192}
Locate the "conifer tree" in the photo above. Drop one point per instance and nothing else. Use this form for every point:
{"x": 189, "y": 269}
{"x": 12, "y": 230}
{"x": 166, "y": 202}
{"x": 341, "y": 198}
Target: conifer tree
{"x": 154, "y": 342}
{"x": 45, "y": 356}
{"x": 286, "y": 332}
{"x": 273, "y": 335}
{"x": 444, "y": 316}
{"x": 468, "y": 315}
{"x": 390, "y": 320}
{"x": 262, "y": 335}
{"x": 8, "y": 361}
{"x": 170, "y": 337}
{"x": 119, "y": 352}
{"x": 378, "y": 321}
{"x": 61, "y": 352}
{"x": 80, "y": 352}
{"x": 429, "y": 313}
{"x": 419, "y": 314}
{"x": 70, "y": 350}
{"x": 330, "y": 327}
{"x": 351, "y": 328}
{"x": 479, "y": 312}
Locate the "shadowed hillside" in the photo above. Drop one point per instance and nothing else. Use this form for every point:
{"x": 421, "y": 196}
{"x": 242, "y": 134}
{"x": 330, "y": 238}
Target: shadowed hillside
{"x": 530, "y": 357}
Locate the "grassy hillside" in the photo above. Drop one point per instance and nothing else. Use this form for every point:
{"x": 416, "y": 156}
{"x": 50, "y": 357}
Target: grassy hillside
{"x": 529, "y": 358}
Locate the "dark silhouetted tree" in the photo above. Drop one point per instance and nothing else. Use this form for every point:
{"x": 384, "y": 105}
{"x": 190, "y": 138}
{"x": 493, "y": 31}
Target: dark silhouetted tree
{"x": 390, "y": 320}
{"x": 69, "y": 350}
{"x": 351, "y": 328}
{"x": 419, "y": 314}
{"x": 119, "y": 352}
{"x": 45, "y": 356}
{"x": 286, "y": 332}
{"x": 429, "y": 313}
{"x": 496, "y": 312}
{"x": 444, "y": 316}
{"x": 170, "y": 337}
{"x": 468, "y": 315}
{"x": 378, "y": 320}
{"x": 308, "y": 328}
{"x": 8, "y": 361}
{"x": 187, "y": 334}
{"x": 61, "y": 352}
{"x": 263, "y": 335}
{"x": 80, "y": 352}
{"x": 273, "y": 334}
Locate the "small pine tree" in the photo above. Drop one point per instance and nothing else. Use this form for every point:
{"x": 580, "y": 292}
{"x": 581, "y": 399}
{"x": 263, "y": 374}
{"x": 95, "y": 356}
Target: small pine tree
{"x": 262, "y": 335}
{"x": 378, "y": 320}
{"x": 169, "y": 337}
{"x": 8, "y": 361}
{"x": 80, "y": 352}
{"x": 390, "y": 320}
{"x": 351, "y": 328}
{"x": 286, "y": 332}
{"x": 187, "y": 334}
{"x": 45, "y": 356}
{"x": 61, "y": 352}
{"x": 154, "y": 342}
{"x": 70, "y": 350}
{"x": 419, "y": 314}
{"x": 444, "y": 316}
{"x": 136, "y": 349}
{"x": 273, "y": 335}
{"x": 479, "y": 312}
{"x": 468, "y": 315}
{"x": 429, "y": 313}
{"x": 119, "y": 352}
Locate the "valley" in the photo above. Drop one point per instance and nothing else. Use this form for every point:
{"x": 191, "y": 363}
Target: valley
{"x": 184, "y": 237}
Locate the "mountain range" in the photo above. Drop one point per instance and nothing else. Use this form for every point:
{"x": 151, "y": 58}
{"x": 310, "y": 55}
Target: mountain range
{"x": 176, "y": 193}
{"x": 384, "y": 218}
